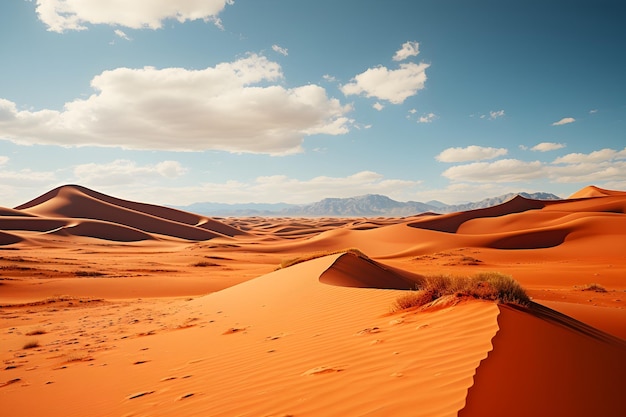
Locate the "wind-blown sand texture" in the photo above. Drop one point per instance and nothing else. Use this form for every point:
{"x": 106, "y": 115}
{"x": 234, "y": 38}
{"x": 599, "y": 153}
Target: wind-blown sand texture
{"x": 116, "y": 308}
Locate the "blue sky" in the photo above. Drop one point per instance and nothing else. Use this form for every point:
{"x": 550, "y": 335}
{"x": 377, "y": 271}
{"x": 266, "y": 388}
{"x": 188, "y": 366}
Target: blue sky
{"x": 284, "y": 101}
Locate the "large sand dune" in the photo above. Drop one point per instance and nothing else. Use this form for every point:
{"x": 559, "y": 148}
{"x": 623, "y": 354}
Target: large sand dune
{"x": 111, "y": 307}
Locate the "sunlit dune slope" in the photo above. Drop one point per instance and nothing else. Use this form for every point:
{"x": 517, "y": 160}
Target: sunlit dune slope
{"x": 593, "y": 191}
{"x": 282, "y": 344}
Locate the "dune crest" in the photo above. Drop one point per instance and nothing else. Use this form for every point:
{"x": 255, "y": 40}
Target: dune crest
{"x": 593, "y": 191}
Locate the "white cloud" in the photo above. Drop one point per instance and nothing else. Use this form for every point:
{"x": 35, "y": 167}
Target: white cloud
{"x": 470, "y": 153}
{"x": 564, "y": 121}
{"x": 122, "y": 171}
{"x": 219, "y": 108}
{"x": 329, "y": 78}
{"x": 605, "y": 165}
{"x": 547, "y": 146}
{"x": 593, "y": 111}
{"x": 589, "y": 172}
{"x": 121, "y": 34}
{"x": 427, "y": 118}
{"x": 382, "y": 83}
{"x": 378, "y": 106}
{"x": 603, "y": 155}
{"x": 408, "y": 49}
{"x": 21, "y": 178}
{"x": 25, "y": 178}
{"x": 271, "y": 189}
{"x": 493, "y": 114}
{"x": 503, "y": 170}
{"x": 282, "y": 51}
{"x": 496, "y": 114}
{"x": 62, "y": 15}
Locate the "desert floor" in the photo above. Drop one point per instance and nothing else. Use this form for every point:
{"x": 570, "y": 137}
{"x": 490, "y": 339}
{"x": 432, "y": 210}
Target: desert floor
{"x": 115, "y": 308}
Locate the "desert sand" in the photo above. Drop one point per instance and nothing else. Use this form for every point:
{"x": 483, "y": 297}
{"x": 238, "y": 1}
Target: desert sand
{"x": 117, "y": 308}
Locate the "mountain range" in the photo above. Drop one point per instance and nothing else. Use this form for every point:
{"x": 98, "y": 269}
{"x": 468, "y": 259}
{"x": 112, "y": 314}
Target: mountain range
{"x": 369, "y": 205}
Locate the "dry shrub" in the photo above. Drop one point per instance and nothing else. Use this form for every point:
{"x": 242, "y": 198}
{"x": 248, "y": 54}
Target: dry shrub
{"x": 592, "y": 287}
{"x": 203, "y": 264}
{"x": 36, "y": 332}
{"x": 31, "y": 345}
{"x": 89, "y": 274}
{"x": 485, "y": 286}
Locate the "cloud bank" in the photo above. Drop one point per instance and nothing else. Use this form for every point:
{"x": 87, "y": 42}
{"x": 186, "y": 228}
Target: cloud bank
{"x": 470, "y": 153}
{"x": 231, "y": 107}
{"x": 63, "y": 15}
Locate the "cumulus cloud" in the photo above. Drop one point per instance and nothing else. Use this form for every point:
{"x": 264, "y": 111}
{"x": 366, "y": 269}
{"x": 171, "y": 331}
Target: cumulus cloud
{"x": 496, "y": 114}
{"x": 503, "y": 170}
{"x": 22, "y": 178}
{"x": 603, "y": 155}
{"x": 378, "y": 106}
{"x": 382, "y": 83}
{"x": 470, "y": 153}
{"x": 124, "y": 171}
{"x": 547, "y": 146}
{"x": 282, "y": 51}
{"x": 408, "y": 49}
{"x": 62, "y": 15}
{"x": 220, "y": 108}
{"x": 564, "y": 121}
{"x": 427, "y": 118}
{"x": 273, "y": 188}
{"x": 589, "y": 172}
{"x": 121, "y": 34}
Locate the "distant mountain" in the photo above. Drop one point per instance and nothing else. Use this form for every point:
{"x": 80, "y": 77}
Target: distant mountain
{"x": 237, "y": 210}
{"x": 370, "y": 205}
{"x": 494, "y": 201}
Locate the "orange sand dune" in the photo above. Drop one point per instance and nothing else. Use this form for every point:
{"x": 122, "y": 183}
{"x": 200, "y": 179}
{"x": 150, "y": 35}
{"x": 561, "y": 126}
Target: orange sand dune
{"x": 546, "y": 364}
{"x": 111, "y": 307}
{"x": 593, "y": 191}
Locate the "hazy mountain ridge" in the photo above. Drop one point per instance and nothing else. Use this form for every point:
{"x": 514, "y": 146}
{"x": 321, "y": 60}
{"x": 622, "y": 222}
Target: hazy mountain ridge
{"x": 369, "y": 205}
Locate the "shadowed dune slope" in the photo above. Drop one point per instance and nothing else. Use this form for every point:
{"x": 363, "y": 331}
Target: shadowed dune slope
{"x": 5, "y": 211}
{"x": 81, "y": 203}
{"x": 450, "y": 222}
{"x": 350, "y": 270}
{"x": 9, "y": 238}
{"x": 546, "y": 364}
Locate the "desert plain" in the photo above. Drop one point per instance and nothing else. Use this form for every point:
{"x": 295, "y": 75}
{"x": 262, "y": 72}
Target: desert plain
{"x": 111, "y": 307}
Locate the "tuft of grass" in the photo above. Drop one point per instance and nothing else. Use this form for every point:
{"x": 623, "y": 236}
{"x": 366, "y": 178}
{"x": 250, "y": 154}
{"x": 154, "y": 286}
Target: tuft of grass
{"x": 89, "y": 273}
{"x": 492, "y": 286}
{"x": 308, "y": 257}
{"x": 31, "y": 345}
{"x": 592, "y": 287}
{"x": 205, "y": 264}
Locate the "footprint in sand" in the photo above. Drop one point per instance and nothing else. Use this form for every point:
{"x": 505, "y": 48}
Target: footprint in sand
{"x": 322, "y": 370}
{"x": 234, "y": 330}
{"x": 139, "y": 394}
{"x": 369, "y": 330}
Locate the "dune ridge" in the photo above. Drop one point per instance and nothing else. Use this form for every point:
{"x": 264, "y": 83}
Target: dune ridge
{"x": 110, "y": 218}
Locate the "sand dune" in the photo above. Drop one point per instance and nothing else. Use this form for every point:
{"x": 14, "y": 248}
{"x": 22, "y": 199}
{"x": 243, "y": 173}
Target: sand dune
{"x": 118, "y": 220}
{"x": 111, "y": 307}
